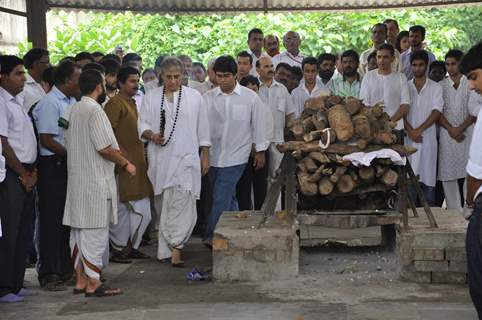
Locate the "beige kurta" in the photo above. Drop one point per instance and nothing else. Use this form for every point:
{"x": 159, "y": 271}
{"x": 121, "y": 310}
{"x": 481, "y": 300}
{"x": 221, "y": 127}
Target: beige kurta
{"x": 91, "y": 189}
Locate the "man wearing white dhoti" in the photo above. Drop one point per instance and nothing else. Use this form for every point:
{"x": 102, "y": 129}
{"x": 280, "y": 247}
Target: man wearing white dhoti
{"x": 134, "y": 209}
{"x": 174, "y": 122}
{"x": 426, "y": 104}
{"x": 91, "y": 201}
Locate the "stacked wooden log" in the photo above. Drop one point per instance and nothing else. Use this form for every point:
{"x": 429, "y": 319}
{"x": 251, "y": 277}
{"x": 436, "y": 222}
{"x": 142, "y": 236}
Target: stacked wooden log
{"x": 331, "y": 127}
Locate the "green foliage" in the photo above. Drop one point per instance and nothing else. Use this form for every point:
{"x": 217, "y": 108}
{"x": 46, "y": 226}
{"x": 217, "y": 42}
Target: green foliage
{"x": 207, "y": 36}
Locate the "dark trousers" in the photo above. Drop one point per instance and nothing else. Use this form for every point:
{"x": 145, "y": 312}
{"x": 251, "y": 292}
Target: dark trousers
{"x": 255, "y": 179}
{"x": 474, "y": 256}
{"x": 54, "y": 249}
{"x": 16, "y": 209}
{"x": 203, "y": 205}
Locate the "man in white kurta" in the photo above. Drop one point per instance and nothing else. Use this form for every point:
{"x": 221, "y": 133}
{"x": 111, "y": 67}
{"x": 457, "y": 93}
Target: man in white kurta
{"x": 383, "y": 85}
{"x": 456, "y": 126}
{"x": 310, "y": 86}
{"x": 173, "y": 156}
{"x": 426, "y": 104}
{"x": 91, "y": 202}
{"x": 292, "y": 56}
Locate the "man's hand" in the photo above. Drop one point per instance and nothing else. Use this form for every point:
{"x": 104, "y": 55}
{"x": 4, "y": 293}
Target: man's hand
{"x": 455, "y": 132}
{"x": 131, "y": 169}
{"x": 460, "y": 138}
{"x": 29, "y": 180}
{"x": 259, "y": 160}
{"x": 417, "y": 135}
{"x": 157, "y": 138}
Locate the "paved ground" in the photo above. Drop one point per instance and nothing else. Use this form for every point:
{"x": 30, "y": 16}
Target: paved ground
{"x": 334, "y": 284}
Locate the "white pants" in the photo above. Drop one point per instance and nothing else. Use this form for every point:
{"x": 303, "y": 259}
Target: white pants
{"x": 88, "y": 247}
{"x": 178, "y": 215}
{"x": 133, "y": 217}
{"x": 275, "y": 158}
{"x": 452, "y": 194}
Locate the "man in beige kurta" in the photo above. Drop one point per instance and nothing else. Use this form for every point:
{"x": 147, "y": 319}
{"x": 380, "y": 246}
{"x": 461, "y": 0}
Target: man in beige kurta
{"x": 134, "y": 210}
{"x": 91, "y": 201}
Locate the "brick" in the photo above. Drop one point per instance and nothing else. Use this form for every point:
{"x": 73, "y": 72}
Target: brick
{"x": 458, "y": 266}
{"x": 220, "y": 244}
{"x": 428, "y": 266}
{"x": 449, "y": 277}
{"x": 409, "y": 274}
{"x": 455, "y": 254}
{"x": 432, "y": 254}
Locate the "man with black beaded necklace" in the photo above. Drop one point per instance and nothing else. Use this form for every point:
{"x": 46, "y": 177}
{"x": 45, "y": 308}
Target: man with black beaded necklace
{"x": 175, "y": 124}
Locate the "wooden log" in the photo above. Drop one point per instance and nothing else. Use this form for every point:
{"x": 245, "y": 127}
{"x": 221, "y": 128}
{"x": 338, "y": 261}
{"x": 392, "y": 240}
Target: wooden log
{"x": 340, "y": 121}
{"x": 302, "y": 167}
{"x": 320, "y": 121}
{"x": 298, "y": 131}
{"x": 306, "y": 187}
{"x": 353, "y": 175}
{"x": 333, "y": 100}
{"x": 362, "y": 126}
{"x": 339, "y": 171}
{"x": 297, "y": 154}
{"x": 390, "y": 178}
{"x": 310, "y": 164}
{"x": 384, "y": 138}
{"x": 352, "y": 105}
{"x": 308, "y": 125}
{"x": 379, "y": 170}
{"x": 345, "y": 184}
{"x": 315, "y": 177}
{"x": 325, "y": 186}
{"x": 361, "y": 144}
{"x": 313, "y": 135}
{"x": 316, "y": 104}
{"x": 320, "y": 157}
{"x": 341, "y": 149}
{"x": 367, "y": 174}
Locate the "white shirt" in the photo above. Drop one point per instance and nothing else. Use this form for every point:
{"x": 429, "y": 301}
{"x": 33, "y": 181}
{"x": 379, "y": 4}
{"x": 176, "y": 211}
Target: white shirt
{"x": 279, "y": 101}
{"x": 16, "y": 126}
{"x": 475, "y": 103}
{"x": 177, "y": 164}
{"x": 474, "y": 165}
{"x": 137, "y": 98}
{"x": 288, "y": 58}
{"x": 363, "y": 68}
{"x": 2, "y": 165}
{"x": 421, "y": 106}
{"x": 237, "y": 120}
{"x": 32, "y": 92}
{"x": 301, "y": 94}
{"x": 391, "y": 90}
{"x": 205, "y": 87}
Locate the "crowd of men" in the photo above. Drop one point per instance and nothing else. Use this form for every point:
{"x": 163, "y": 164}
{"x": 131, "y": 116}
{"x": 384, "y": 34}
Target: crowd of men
{"x": 94, "y": 163}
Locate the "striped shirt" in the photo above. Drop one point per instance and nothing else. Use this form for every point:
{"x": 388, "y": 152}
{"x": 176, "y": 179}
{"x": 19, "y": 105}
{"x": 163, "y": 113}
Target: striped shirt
{"x": 91, "y": 189}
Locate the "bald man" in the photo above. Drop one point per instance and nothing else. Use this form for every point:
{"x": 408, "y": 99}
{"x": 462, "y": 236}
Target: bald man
{"x": 292, "y": 56}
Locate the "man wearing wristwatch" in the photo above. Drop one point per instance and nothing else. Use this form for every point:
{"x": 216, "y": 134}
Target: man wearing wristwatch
{"x": 471, "y": 66}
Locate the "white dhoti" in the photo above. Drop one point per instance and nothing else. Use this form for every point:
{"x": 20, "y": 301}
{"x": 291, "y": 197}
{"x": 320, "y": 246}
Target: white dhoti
{"x": 178, "y": 215}
{"x": 452, "y": 194}
{"x": 88, "y": 247}
{"x": 133, "y": 217}
{"x": 275, "y": 158}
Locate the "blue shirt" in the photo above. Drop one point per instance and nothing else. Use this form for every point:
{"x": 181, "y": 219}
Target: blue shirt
{"x": 47, "y": 113}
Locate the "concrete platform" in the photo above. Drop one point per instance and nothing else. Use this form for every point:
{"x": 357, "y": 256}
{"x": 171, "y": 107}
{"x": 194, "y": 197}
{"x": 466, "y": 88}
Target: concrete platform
{"x": 434, "y": 255}
{"x": 244, "y": 249}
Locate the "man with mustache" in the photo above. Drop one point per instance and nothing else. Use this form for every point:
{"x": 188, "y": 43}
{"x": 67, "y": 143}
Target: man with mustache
{"x": 91, "y": 201}
{"x": 134, "y": 211}
{"x": 348, "y": 84}
{"x": 292, "y": 56}
{"x": 277, "y": 98}
{"x": 327, "y": 64}
{"x": 111, "y": 68}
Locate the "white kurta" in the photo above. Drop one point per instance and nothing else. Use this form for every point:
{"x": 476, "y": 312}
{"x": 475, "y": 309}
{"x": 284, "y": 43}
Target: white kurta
{"x": 178, "y": 163}
{"x": 286, "y": 57}
{"x": 391, "y": 90}
{"x": 475, "y": 103}
{"x": 421, "y": 106}
{"x": 301, "y": 94}
{"x": 453, "y": 155}
{"x": 474, "y": 165}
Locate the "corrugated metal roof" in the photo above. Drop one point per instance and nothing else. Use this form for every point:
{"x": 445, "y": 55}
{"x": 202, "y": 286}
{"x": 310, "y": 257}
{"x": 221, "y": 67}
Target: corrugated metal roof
{"x": 243, "y": 5}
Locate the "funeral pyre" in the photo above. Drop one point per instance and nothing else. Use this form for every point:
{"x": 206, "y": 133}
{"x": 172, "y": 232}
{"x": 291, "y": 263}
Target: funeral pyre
{"x": 329, "y": 128}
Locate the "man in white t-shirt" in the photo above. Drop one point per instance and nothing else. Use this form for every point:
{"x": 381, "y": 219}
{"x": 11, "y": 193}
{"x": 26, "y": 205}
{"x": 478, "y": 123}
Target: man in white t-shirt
{"x": 383, "y": 85}
{"x": 471, "y": 66}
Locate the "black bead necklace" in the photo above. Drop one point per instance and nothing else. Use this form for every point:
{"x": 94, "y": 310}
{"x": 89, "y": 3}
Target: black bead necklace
{"x": 163, "y": 116}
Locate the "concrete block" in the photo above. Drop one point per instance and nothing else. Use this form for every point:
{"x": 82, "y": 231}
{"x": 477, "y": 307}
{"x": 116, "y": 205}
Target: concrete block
{"x": 449, "y": 277}
{"x": 458, "y": 266}
{"x": 432, "y": 254}
{"x": 429, "y": 266}
{"x": 243, "y": 251}
{"x": 408, "y": 273}
{"x": 455, "y": 254}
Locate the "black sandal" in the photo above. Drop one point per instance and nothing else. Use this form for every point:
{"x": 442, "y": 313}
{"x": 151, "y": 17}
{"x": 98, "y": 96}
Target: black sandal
{"x": 78, "y": 291}
{"x": 103, "y": 291}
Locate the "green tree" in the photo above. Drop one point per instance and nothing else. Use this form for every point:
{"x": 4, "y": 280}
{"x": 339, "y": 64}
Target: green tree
{"x": 206, "y": 36}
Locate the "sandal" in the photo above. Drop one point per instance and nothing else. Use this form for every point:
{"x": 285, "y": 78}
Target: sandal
{"x": 78, "y": 291}
{"x": 178, "y": 264}
{"x": 103, "y": 291}
{"x": 136, "y": 254}
{"x": 120, "y": 258}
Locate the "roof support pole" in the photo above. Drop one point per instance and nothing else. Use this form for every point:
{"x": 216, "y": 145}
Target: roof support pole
{"x": 37, "y": 23}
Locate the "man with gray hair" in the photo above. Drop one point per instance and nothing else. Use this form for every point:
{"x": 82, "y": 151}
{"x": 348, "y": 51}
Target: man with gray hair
{"x": 175, "y": 128}
{"x": 292, "y": 56}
